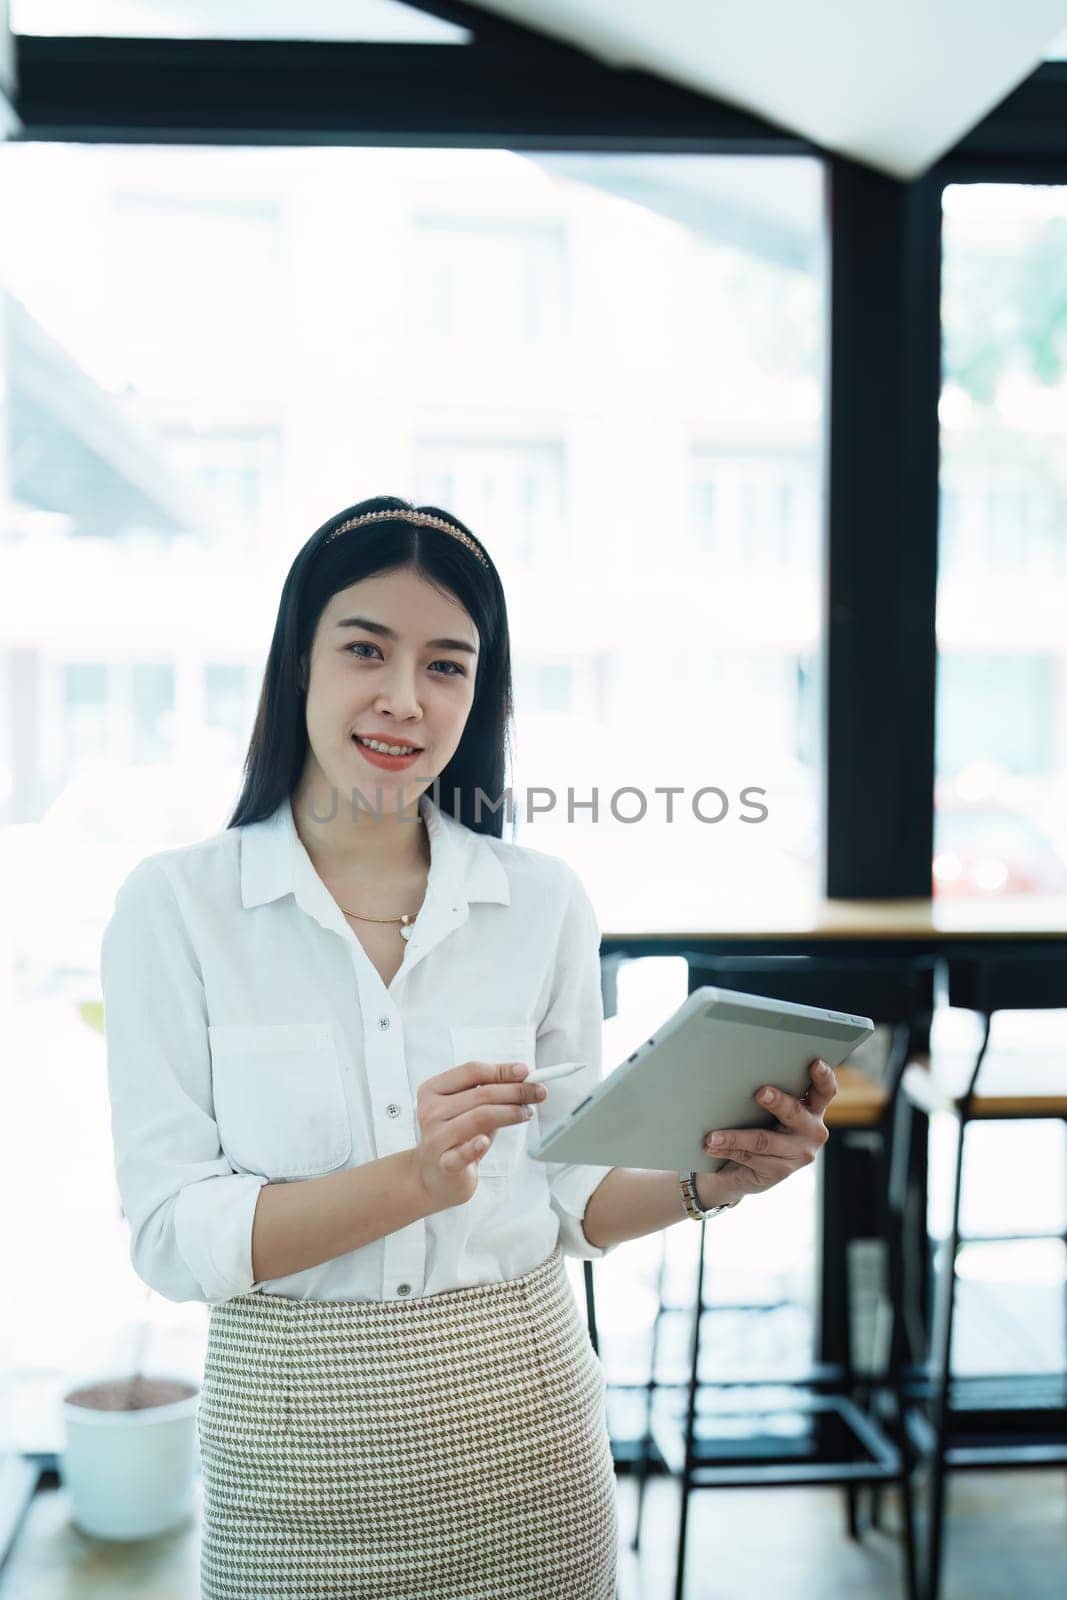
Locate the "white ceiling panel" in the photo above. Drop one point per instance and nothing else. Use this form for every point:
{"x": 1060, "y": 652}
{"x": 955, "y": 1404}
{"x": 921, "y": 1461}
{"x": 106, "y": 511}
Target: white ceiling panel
{"x": 893, "y": 83}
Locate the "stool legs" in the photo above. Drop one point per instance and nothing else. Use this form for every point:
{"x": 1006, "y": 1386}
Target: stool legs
{"x": 942, "y": 1386}
{"x": 642, "y": 1460}
{"x": 941, "y": 1345}
{"x": 690, "y": 1424}
{"x": 836, "y": 1337}
{"x": 891, "y": 1198}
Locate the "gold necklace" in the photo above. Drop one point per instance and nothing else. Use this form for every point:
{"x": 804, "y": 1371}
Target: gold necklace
{"x": 406, "y": 929}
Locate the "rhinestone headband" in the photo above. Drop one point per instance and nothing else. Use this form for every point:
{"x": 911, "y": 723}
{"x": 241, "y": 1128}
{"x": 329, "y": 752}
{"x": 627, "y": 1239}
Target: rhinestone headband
{"x": 423, "y": 518}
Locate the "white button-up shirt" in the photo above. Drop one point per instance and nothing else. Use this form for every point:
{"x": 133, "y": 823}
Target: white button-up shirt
{"x": 250, "y": 1039}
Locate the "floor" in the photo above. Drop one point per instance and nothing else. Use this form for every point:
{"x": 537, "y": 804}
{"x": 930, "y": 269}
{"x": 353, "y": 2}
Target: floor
{"x": 1007, "y": 1541}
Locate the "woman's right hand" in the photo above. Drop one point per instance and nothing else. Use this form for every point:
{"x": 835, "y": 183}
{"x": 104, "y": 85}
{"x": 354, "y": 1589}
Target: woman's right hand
{"x": 460, "y": 1112}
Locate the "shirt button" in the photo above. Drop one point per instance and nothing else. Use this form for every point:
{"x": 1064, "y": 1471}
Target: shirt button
{"x": 403, "y": 1288}
{"x": 383, "y": 1023}
{"x": 392, "y": 1111}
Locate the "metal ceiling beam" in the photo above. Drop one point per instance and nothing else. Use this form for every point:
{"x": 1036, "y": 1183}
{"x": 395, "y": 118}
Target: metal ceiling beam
{"x": 510, "y": 85}
{"x": 526, "y": 92}
{"x": 1023, "y": 140}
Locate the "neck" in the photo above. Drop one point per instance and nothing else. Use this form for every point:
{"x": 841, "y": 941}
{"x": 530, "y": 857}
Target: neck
{"x": 341, "y": 839}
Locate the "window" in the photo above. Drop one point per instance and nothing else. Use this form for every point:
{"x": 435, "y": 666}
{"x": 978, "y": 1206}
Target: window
{"x": 484, "y": 282}
{"x": 544, "y": 687}
{"x": 753, "y": 512}
{"x": 622, "y": 396}
{"x": 237, "y": 472}
{"x": 807, "y": 712}
{"x": 951, "y": 532}
{"x": 1002, "y": 590}
{"x": 85, "y": 711}
{"x": 246, "y": 340}
{"x": 705, "y": 501}
{"x": 513, "y": 492}
{"x": 226, "y": 709}
{"x": 997, "y": 707}
{"x": 193, "y": 275}
{"x": 152, "y": 707}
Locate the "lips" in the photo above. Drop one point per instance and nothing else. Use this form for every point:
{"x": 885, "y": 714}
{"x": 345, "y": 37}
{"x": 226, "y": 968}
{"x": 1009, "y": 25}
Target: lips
{"x": 414, "y": 749}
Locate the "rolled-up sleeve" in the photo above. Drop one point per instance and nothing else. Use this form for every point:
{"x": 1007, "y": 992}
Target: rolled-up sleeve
{"x": 572, "y": 1029}
{"x": 190, "y": 1213}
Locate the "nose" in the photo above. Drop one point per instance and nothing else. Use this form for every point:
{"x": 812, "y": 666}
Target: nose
{"x": 397, "y": 693}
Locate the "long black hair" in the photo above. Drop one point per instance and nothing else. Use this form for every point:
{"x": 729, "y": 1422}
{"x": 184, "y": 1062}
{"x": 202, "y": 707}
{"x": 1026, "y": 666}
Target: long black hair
{"x": 278, "y": 747}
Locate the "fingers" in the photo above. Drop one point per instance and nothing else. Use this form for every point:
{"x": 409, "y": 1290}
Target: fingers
{"x": 472, "y": 1073}
{"x": 489, "y": 1119}
{"x": 483, "y": 1123}
{"x": 474, "y": 1101}
{"x": 489, "y": 1094}
{"x": 823, "y": 1088}
{"x": 462, "y": 1155}
{"x": 805, "y": 1116}
{"x": 788, "y": 1109}
{"x": 743, "y": 1143}
{"x": 479, "y": 1128}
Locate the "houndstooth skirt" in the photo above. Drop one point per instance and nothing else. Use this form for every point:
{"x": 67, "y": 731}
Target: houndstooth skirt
{"x": 452, "y": 1447}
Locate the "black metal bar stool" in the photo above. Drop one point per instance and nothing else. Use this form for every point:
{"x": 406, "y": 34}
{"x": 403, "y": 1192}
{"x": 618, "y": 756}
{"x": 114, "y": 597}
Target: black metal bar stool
{"x": 1021, "y": 1423}
{"x": 847, "y": 1443}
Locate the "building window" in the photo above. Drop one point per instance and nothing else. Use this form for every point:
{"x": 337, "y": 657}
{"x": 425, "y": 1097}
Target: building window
{"x": 86, "y": 712}
{"x": 511, "y": 494}
{"x": 152, "y": 708}
{"x": 226, "y": 707}
{"x": 237, "y": 470}
{"x": 808, "y": 720}
{"x": 544, "y": 686}
{"x": 484, "y": 283}
{"x": 704, "y": 502}
{"x": 996, "y": 708}
{"x": 950, "y": 528}
{"x": 191, "y": 273}
{"x": 753, "y": 512}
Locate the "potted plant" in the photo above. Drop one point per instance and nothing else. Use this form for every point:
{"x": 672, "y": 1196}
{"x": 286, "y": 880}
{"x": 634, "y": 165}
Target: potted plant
{"x": 129, "y": 1459}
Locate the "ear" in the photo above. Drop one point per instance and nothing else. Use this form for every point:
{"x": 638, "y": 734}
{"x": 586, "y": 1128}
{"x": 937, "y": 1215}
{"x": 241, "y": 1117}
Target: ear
{"x": 301, "y": 674}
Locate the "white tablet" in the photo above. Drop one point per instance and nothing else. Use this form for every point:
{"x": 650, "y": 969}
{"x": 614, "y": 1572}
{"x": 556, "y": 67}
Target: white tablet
{"x": 699, "y": 1072}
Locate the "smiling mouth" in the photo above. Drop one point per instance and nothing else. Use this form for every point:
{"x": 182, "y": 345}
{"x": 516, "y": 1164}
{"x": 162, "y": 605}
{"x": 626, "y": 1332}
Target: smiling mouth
{"x": 405, "y": 750}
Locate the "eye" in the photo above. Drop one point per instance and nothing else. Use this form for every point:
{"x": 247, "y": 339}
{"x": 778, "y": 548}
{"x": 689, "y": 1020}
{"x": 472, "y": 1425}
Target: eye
{"x": 455, "y": 670}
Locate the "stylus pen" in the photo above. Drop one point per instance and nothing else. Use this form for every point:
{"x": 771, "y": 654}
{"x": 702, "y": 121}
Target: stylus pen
{"x": 546, "y": 1074}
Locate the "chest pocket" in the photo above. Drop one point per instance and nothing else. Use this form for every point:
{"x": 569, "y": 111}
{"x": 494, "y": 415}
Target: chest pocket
{"x": 279, "y": 1097}
{"x": 504, "y": 1042}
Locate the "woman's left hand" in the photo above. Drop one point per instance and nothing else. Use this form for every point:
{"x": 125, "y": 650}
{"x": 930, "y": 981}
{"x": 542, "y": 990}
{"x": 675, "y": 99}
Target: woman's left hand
{"x": 761, "y": 1157}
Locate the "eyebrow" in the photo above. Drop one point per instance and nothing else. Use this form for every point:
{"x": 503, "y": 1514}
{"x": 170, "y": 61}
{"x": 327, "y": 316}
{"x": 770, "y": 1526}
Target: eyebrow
{"x": 388, "y": 633}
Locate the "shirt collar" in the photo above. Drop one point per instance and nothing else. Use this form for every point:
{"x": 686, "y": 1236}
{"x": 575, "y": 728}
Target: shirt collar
{"x": 463, "y": 864}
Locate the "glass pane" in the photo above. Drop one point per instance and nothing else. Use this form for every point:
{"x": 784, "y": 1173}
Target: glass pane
{"x": 485, "y": 280}
{"x": 225, "y": 371}
{"x": 85, "y": 710}
{"x": 1001, "y": 791}
{"x": 381, "y": 21}
{"x": 153, "y": 710}
{"x": 227, "y": 709}
{"x": 612, "y": 369}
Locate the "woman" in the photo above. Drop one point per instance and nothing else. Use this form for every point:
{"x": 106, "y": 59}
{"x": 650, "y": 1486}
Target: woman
{"x": 319, "y": 1023}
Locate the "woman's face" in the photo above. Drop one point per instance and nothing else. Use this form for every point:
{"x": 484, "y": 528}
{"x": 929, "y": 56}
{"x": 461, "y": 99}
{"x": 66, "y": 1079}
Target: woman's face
{"x": 392, "y": 658}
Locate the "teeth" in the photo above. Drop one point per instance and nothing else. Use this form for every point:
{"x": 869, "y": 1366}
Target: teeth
{"x": 386, "y": 749}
